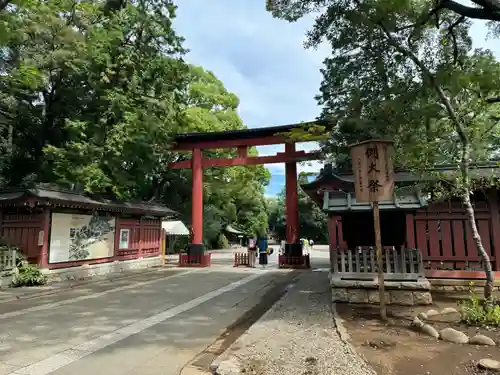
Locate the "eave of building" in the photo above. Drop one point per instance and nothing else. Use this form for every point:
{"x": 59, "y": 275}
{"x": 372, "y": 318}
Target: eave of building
{"x": 37, "y": 197}
{"x": 409, "y": 198}
{"x": 334, "y": 182}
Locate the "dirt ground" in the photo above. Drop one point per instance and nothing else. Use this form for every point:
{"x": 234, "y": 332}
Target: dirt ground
{"x": 394, "y": 348}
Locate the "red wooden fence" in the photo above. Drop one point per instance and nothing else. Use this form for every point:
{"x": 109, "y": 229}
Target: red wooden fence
{"x": 144, "y": 238}
{"x": 443, "y": 235}
{"x": 22, "y": 230}
{"x": 241, "y": 259}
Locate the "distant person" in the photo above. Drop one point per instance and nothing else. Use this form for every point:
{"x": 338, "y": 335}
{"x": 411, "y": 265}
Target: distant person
{"x": 263, "y": 251}
{"x": 251, "y": 243}
{"x": 305, "y": 244}
{"x": 311, "y": 243}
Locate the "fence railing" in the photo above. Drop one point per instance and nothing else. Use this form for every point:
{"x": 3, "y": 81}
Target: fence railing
{"x": 245, "y": 259}
{"x": 8, "y": 258}
{"x": 361, "y": 263}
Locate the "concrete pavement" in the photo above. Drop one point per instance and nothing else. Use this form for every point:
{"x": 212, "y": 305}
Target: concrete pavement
{"x": 150, "y": 323}
{"x": 154, "y": 325}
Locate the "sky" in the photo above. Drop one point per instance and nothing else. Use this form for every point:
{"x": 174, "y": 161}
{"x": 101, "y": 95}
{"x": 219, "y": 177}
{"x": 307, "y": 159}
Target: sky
{"x": 262, "y": 60}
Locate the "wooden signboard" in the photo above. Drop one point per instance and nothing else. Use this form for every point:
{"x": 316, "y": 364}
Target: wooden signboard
{"x": 374, "y": 182}
{"x": 373, "y": 170}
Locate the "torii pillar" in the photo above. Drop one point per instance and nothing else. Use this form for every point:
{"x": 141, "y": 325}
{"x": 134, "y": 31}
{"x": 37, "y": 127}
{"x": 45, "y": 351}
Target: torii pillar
{"x": 196, "y": 246}
{"x": 292, "y": 247}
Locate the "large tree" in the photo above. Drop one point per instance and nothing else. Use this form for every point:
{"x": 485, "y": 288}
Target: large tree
{"x": 426, "y": 10}
{"x": 92, "y": 99}
{"x": 92, "y": 94}
{"x": 394, "y": 73}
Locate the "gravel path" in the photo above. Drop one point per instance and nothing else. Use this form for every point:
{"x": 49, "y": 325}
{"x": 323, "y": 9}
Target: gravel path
{"x": 296, "y": 336}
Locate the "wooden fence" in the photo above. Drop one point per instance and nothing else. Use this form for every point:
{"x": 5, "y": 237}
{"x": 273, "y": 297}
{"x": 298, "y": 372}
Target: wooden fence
{"x": 22, "y": 230}
{"x": 8, "y": 259}
{"x": 444, "y": 236}
{"x": 245, "y": 259}
{"x": 361, "y": 263}
{"x": 144, "y": 238}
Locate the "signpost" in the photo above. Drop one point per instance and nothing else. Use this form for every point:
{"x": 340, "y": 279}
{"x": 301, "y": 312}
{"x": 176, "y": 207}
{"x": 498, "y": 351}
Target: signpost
{"x": 374, "y": 182}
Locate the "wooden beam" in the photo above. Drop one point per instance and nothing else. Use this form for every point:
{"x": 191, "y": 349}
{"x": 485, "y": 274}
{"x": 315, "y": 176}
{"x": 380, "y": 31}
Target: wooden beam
{"x": 231, "y": 143}
{"x": 297, "y": 157}
{"x": 458, "y": 274}
{"x": 242, "y": 151}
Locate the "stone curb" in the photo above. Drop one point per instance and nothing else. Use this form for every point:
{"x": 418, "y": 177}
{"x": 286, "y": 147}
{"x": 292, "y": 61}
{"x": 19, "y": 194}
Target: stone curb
{"x": 339, "y": 325}
{"x": 344, "y": 335}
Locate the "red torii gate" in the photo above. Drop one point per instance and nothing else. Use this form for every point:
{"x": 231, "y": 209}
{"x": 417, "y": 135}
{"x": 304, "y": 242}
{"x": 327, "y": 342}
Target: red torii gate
{"x": 241, "y": 140}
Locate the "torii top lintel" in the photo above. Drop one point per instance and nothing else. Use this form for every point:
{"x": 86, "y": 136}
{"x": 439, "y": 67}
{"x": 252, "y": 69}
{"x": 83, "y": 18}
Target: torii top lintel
{"x": 238, "y": 138}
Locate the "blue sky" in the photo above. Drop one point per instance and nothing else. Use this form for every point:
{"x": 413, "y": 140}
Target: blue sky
{"x": 262, "y": 60}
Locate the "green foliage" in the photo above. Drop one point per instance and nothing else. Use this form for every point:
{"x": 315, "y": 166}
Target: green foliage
{"x": 474, "y": 311}
{"x": 380, "y": 81}
{"x": 308, "y": 132}
{"x": 93, "y": 92}
{"x": 231, "y": 195}
{"x": 27, "y": 274}
{"x": 312, "y": 221}
{"x": 222, "y": 242}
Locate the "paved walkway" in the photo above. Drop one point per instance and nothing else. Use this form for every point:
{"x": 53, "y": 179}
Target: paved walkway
{"x": 295, "y": 337}
{"x": 140, "y": 322}
{"x": 149, "y": 324}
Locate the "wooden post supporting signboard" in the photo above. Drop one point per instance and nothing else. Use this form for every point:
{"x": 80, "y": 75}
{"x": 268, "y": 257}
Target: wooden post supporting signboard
{"x": 374, "y": 182}
{"x": 380, "y": 263}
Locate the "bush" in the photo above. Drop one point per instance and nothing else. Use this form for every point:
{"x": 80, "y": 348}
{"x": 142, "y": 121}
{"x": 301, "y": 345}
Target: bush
{"x": 27, "y": 274}
{"x": 222, "y": 242}
{"x": 474, "y": 311}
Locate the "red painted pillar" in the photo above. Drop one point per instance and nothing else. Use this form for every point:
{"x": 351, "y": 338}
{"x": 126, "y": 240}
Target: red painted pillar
{"x": 292, "y": 212}
{"x": 196, "y": 246}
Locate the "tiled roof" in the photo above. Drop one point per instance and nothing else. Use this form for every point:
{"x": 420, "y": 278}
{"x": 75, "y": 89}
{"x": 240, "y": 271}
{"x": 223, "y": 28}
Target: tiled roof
{"x": 328, "y": 173}
{"x": 59, "y": 197}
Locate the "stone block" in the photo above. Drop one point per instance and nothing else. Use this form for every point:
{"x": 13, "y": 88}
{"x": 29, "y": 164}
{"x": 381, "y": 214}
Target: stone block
{"x": 339, "y": 295}
{"x": 401, "y": 297}
{"x": 374, "y": 297}
{"x": 357, "y": 296}
{"x": 422, "y": 298}
{"x": 420, "y": 284}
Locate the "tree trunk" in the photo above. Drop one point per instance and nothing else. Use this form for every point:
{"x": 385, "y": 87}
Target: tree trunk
{"x": 471, "y": 218}
{"x": 490, "y": 277}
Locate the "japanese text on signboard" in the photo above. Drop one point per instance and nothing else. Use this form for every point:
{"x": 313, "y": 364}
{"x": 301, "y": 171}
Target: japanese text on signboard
{"x": 372, "y": 166}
